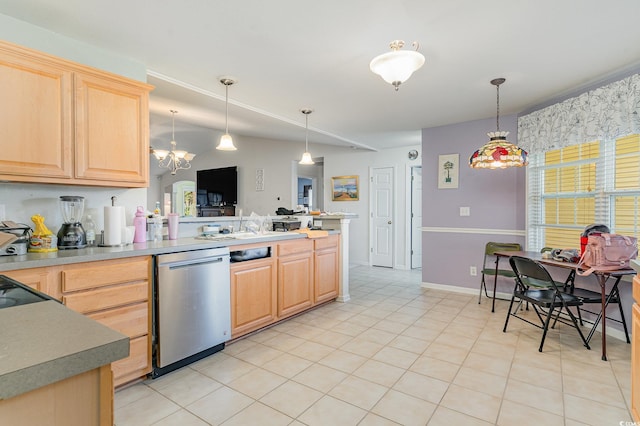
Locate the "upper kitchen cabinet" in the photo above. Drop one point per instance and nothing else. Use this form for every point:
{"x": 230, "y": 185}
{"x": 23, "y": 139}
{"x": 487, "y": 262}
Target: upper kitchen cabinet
{"x": 66, "y": 123}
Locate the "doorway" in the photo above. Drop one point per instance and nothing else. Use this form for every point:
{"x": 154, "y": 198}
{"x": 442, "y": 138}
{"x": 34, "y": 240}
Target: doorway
{"x": 382, "y": 214}
{"x": 308, "y": 184}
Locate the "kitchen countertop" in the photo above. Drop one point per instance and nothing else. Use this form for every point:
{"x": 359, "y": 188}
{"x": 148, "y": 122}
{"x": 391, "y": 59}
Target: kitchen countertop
{"x": 91, "y": 254}
{"x": 45, "y": 342}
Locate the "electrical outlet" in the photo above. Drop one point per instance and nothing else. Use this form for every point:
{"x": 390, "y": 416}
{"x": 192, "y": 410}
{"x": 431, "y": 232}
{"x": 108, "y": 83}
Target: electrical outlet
{"x": 473, "y": 271}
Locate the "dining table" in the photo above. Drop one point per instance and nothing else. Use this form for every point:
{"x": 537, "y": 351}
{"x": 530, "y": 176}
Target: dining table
{"x": 601, "y": 276}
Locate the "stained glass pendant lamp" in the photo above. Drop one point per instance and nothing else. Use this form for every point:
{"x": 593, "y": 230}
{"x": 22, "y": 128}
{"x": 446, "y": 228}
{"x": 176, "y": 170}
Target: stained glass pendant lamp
{"x": 498, "y": 153}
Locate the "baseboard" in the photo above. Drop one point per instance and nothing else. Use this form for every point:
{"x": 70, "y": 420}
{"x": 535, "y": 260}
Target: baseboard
{"x": 611, "y": 332}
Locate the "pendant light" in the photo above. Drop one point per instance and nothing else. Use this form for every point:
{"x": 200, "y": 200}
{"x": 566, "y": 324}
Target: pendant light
{"x": 498, "y": 153}
{"x": 396, "y": 67}
{"x": 306, "y": 157}
{"x": 174, "y": 159}
{"x": 226, "y": 143}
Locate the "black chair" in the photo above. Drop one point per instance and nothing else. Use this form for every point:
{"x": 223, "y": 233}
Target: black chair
{"x": 487, "y": 270}
{"x": 545, "y": 300}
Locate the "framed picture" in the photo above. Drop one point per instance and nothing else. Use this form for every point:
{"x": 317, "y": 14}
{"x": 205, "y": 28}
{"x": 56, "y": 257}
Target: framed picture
{"x": 448, "y": 168}
{"x": 344, "y": 188}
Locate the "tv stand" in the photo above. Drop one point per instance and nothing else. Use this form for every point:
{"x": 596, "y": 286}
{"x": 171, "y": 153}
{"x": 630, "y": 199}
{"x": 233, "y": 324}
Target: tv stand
{"x": 211, "y": 211}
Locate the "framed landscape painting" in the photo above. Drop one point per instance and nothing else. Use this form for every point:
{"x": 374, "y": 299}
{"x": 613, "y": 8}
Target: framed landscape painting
{"x": 344, "y": 188}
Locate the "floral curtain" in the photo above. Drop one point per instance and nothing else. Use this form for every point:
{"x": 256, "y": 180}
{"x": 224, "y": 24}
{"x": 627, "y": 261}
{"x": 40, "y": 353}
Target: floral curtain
{"x": 607, "y": 112}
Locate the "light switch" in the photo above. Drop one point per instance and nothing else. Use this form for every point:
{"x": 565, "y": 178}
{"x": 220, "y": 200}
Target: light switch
{"x": 465, "y": 211}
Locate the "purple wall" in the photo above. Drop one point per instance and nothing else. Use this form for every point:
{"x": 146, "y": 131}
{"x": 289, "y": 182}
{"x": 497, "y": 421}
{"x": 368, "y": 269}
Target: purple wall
{"x": 496, "y": 199}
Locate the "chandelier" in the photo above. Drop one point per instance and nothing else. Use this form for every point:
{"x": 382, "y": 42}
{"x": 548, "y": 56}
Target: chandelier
{"x": 226, "y": 143}
{"x": 498, "y": 153}
{"x": 396, "y": 67}
{"x": 174, "y": 159}
{"x": 306, "y": 157}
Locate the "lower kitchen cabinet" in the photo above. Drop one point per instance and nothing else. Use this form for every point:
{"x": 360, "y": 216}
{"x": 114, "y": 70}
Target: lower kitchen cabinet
{"x": 254, "y": 290}
{"x": 635, "y": 351}
{"x": 45, "y": 280}
{"x": 295, "y": 276}
{"x": 326, "y": 268}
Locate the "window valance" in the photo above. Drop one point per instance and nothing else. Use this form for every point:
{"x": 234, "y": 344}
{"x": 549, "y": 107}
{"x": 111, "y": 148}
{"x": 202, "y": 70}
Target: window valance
{"x": 607, "y": 112}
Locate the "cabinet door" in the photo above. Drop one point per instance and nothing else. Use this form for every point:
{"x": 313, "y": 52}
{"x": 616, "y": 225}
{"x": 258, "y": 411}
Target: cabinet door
{"x": 295, "y": 283}
{"x": 112, "y": 131}
{"x": 635, "y": 360}
{"x": 35, "y": 118}
{"x": 253, "y": 295}
{"x": 46, "y": 279}
{"x": 326, "y": 275}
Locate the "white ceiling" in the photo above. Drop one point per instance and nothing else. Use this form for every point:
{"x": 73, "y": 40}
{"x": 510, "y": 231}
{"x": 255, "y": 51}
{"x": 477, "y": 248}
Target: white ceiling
{"x": 293, "y": 54}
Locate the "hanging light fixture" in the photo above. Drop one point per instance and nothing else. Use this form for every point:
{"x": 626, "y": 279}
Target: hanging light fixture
{"x": 226, "y": 143}
{"x": 174, "y": 159}
{"x": 306, "y": 157}
{"x": 396, "y": 67}
{"x": 498, "y": 153}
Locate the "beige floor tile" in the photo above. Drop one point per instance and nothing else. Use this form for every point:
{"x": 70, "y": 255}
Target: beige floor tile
{"x": 131, "y": 394}
{"x": 220, "y": 405}
{"x": 488, "y": 364}
{"x": 444, "y": 416}
{"x": 410, "y": 344}
{"x": 258, "y": 414}
{"x": 184, "y": 386}
{"x": 446, "y": 353}
{"x": 422, "y": 387}
{"x": 259, "y": 354}
{"x": 396, "y": 357}
{"x": 343, "y": 361}
{"x": 226, "y": 370}
{"x": 471, "y": 402}
{"x": 239, "y": 346}
{"x": 374, "y": 420}
{"x": 594, "y": 413}
{"x": 287, "y": 365}
{"x": 512, "y": 413}
{"x": 377, "y": 336}
{"x": 378, "y": 372}
{"x": 304, "y": 331}
{"x": 435, "y": 368}
{"x": 364, "y": 320}
{"x": 418, "y": 332}
{"x": 331, "y": 339}
{"x": 182, "y": 418}
{"x": 537, "y": 376}
{"x": 362, "y": 347}
{"x": 391, "y": 326}
{"x": 257, "y": 383}
{"x": 359, "y": 392}
{"x": 404, "y": 409}
{"x": 146, "y": 410}
{"x": 284, "y": 342}
{"x": 534, "y": 396}
{"x": 599, "y": 392}
{"x": 481, "y": 381}
{"x": 291, "y": 398}
{"x": 332, "y": 411}
{"x": 348, "y": 328}
{"x": 320, "y": 377}
{"x": 312, "y": 351}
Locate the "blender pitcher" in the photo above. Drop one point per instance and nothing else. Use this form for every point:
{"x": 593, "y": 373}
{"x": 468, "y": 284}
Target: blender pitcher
{"x": 71, "y": 234}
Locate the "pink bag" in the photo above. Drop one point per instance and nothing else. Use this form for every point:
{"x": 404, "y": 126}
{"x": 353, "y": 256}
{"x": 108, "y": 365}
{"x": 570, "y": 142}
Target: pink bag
{"x": 608, "y": 252}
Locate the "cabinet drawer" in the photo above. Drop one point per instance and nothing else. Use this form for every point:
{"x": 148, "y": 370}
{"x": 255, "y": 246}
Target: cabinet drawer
{"x": 137, "y": 364}
{"x": 99, "y": 274}
{"x": 636, "y": 289}
{"x": 104, "y": 298}
{"x": 132, "y": 321}
{"x": 293, "y": 247}
{"x": 326, "y": 243}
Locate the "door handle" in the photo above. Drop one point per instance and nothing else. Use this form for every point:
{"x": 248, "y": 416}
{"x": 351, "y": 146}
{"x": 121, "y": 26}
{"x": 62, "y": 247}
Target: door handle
{"x": 389, "y": 223}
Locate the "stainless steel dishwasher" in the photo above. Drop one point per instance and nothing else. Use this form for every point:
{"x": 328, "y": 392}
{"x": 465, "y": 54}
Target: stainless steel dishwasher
{"x": 193, "y": 307}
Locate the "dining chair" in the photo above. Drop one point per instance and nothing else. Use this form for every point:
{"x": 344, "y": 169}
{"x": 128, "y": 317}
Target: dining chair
{"x": 487, "y": 270}
{"x": 544, "y": 300}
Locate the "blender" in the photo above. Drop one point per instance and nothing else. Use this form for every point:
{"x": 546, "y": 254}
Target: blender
{"x": 71, "y": 234}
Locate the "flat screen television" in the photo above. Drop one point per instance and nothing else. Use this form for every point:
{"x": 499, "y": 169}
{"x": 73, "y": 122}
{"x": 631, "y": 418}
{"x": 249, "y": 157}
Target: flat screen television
{"x": 217, "y": 187}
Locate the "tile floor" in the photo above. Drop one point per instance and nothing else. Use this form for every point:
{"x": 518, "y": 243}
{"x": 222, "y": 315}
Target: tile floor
{"x": 395, "y": 354}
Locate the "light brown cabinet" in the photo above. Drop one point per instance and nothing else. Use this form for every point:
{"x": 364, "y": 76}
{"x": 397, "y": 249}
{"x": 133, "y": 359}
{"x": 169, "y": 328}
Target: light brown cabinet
{"x": 635, "y": 351}
{"x": 254, "y": 291}
{"x": 66, "y": 123}
{"x": 295, "y": 276}
{"x": 116, "y": 293}
{"x": 326, "y": 268}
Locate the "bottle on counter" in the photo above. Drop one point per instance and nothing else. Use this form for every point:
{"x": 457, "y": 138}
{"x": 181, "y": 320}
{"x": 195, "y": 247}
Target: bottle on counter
{"x": 140, "y": 225}
{"x": 157, "y": 210}
{"x": 90, "y": 231}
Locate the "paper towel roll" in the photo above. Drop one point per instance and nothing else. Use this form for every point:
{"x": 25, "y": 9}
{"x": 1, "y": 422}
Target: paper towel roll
{"x": 113, "y": 223}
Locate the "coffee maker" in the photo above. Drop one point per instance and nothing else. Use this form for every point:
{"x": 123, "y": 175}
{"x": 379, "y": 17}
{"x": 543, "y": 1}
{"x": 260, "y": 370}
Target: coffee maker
{"x": 71, "y": 234}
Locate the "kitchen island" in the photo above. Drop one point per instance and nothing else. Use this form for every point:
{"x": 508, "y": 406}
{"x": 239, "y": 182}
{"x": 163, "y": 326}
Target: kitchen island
{"x": 55, "y": 367}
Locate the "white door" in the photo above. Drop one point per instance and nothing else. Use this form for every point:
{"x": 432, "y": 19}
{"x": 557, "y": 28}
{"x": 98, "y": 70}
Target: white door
{"x": 382, "y": 216}
{"x": 416, "y": 217}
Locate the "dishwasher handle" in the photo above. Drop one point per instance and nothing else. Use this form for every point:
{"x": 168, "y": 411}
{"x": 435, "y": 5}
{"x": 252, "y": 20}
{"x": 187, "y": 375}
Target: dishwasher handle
{"x": 186, "y": 263}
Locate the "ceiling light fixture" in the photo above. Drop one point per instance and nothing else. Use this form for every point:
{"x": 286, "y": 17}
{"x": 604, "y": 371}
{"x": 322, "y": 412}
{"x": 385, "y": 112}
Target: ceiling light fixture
{"x": 175, "y": 159}
{"x": 306, "y": 157}
{"x": 396, "y": 67}
{"x": 226, "y": 143}
{"x": 498, "y": 153}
